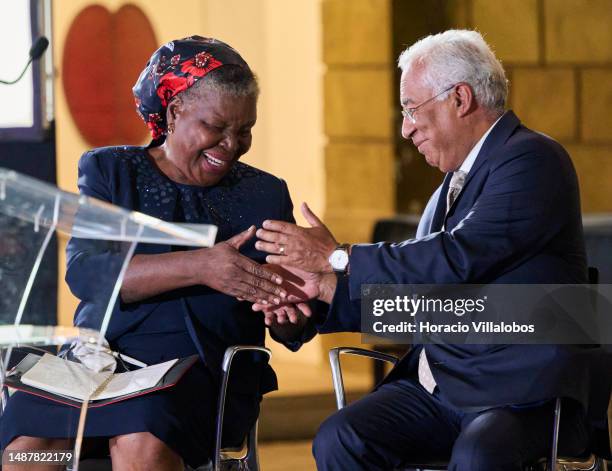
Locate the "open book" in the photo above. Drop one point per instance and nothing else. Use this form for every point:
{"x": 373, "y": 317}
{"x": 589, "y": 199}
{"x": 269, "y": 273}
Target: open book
{"x": 76, "y": 383}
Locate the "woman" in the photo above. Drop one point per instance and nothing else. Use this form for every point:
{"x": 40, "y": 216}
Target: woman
{"x": 198, "y": 98}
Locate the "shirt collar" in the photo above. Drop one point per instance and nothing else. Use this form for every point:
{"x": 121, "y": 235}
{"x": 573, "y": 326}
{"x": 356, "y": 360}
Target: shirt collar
{"x": 471, "y": 157}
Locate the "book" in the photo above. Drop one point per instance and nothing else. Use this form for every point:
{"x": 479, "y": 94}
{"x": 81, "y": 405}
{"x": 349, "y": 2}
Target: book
{"x": 72, "y": 383}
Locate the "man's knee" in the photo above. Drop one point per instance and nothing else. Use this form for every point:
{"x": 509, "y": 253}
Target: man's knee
{"x": 334, "y": 438}
{"x": 326, "y": 437}
{"x": 483, "y": 455}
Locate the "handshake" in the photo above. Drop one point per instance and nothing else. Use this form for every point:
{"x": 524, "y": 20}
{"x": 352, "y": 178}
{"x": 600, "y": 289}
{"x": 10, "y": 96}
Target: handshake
{"x": 299, "y": 255}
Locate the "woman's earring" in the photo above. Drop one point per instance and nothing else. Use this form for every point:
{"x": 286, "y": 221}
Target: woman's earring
{"x": 170, "y": 128}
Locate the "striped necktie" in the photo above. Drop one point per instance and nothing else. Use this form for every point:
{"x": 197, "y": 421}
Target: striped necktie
{"x": 454, "y": 188}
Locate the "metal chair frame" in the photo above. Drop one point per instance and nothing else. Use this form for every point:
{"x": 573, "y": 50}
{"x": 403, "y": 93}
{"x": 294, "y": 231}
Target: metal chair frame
{"x": 249, "y": 459}
{"x": 244, "y": 458}
{"x": 592, "y": 463}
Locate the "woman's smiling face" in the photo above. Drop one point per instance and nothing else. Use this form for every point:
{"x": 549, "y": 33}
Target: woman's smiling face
{"x": 212, "y": 130}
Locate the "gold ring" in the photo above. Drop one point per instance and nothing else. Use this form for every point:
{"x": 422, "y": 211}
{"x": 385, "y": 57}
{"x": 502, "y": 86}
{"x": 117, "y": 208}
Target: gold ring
{"x": 281, "y": 249}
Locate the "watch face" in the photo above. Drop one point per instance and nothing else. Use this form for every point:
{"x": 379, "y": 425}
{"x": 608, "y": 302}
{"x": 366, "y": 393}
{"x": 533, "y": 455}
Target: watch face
{"x": 339, "y": 259}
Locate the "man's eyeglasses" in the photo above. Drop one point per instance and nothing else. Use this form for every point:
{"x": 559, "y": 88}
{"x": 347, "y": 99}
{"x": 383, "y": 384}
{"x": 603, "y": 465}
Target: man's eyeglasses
{"x": 409, "y": 112}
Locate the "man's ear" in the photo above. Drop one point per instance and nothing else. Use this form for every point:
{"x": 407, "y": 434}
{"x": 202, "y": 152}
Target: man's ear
{"x": 464, "y": 99}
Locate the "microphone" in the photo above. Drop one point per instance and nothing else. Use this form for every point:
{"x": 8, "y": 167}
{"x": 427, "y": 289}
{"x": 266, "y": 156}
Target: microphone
{"x": 37, "y": 50}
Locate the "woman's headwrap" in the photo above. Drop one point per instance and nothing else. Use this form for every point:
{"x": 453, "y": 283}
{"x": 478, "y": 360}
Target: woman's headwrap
{"x": 173, "y": 68}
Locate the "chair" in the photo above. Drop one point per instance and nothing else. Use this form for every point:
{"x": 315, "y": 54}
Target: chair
{"x": 244, "y": 458}
{"x": 590, "y": 463}
{"x": 226, "y": 458}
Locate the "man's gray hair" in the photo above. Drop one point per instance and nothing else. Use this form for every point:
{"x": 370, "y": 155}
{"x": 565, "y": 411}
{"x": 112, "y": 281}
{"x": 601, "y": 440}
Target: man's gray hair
{"x": 459, "y": 56}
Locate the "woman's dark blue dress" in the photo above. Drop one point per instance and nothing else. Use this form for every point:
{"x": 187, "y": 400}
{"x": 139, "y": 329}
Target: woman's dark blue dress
{"x": 196, "y": 320}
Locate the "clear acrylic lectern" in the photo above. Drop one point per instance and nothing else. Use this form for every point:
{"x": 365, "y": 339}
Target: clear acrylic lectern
{"x": 35, "y": 216}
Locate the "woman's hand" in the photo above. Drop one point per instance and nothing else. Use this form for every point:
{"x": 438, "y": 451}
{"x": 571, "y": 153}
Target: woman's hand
{"x": 220, "y": 267}
{"x": 286, "y": 314}
{"x": 301, "y": 287}
{"x": 223, "y": 268}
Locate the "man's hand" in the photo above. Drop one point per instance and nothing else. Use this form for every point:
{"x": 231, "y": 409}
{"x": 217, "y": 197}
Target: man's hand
{"x": 304, "y": 248}
{"x": 301, "y": 287}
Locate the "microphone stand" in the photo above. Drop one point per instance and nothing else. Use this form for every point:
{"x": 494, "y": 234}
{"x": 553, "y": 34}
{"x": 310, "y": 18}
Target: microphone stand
{"x": 37, "y": 50}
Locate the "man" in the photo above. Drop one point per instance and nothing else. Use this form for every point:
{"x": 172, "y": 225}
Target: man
{"x": 508, "y": 211}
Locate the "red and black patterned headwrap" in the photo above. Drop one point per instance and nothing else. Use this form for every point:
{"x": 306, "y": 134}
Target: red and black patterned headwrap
{"x": 173, "y": 68}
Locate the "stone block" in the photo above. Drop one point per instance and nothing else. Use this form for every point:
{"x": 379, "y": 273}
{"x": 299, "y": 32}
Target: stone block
{"x": 458, "y": 13}
{"x": 578, "y": 30}
{"x": 594, "y": 168}
{"x": 354, "y": 227}
{"x": 358, "y": 103}
{"x": 511, "y": 28}
{"x": 596, "y": 105}
{"x": 360, "y": 177}
{"x": 544, "y": 99}
{"x": 415, "y": 179}
{"x": 356, "y": 32}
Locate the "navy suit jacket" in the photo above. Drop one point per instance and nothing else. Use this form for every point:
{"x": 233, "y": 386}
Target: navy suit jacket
{"x": 517, "y": 220}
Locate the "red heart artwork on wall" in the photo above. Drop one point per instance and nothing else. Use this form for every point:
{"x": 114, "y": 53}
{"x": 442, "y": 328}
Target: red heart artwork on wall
{"x": 104, "y": 53}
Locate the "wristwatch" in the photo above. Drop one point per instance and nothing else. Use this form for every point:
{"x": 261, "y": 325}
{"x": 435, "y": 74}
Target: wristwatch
{"x": 339, "y": 258}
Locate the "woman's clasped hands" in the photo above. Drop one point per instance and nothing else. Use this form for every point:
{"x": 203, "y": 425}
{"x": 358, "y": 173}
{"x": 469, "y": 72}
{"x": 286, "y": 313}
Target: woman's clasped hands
{"x": 228, "y": 271}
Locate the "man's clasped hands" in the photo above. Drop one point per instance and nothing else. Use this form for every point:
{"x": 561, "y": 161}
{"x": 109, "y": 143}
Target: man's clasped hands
{"x": 299, "y": 255}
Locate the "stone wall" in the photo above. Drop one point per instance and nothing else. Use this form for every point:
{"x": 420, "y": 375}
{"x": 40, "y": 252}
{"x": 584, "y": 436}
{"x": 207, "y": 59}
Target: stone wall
{"x": 558, "y": 55}
{"x": 358, "y": 122}
{"x": 358, "y": 97}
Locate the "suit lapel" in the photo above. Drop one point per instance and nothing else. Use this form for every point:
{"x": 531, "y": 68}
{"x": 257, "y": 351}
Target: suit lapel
{"x": 498, "y": 136}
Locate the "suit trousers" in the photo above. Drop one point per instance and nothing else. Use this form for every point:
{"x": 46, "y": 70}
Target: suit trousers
{"x": 401, "y": 423}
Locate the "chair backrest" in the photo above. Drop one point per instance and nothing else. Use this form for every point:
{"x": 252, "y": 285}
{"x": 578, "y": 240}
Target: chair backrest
{"x": 610, "y": 421}
{"x": 598, "y": 241}
{"x": 250, "y": 459}
{"x": 597, "y": 238}
{"x": 396, "y": 229}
